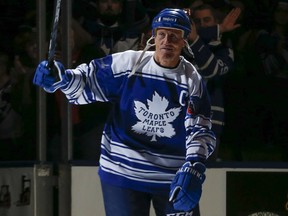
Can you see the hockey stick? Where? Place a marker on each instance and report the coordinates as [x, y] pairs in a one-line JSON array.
[[53, 37]]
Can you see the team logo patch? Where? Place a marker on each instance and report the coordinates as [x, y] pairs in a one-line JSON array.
[[191, 108], [155, 119]]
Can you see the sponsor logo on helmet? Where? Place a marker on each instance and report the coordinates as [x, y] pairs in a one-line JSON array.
[[169, 19]]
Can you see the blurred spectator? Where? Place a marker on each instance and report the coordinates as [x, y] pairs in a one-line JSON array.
[[25, 59], [273, 43], [25, 50], [213, 58], [272, 46], [11, 122], [257, 101], [153, 7], [117, 26], [13, 13]]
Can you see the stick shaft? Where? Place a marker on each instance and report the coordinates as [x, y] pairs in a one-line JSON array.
[[53, 37]]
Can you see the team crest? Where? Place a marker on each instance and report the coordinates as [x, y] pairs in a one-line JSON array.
[[155, 119]]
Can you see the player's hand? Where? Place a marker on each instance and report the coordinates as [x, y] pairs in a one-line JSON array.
[[186, 188], [46, 78]]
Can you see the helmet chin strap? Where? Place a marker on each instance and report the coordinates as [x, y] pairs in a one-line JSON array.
[[148, 46]]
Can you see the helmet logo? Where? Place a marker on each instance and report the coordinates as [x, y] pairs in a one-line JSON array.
[[172, 18], [169, 19], [166, 19]]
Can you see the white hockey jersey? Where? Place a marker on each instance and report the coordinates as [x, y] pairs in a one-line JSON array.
[[160, 117]]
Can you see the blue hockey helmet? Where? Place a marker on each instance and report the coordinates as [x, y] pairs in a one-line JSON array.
[[172, 18]]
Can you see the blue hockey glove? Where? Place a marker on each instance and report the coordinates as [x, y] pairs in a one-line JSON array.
[[45, 77], [186, 188]]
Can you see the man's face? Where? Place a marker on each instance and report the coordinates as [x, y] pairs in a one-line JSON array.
[[169, 44], [204, 18], [110, 7]]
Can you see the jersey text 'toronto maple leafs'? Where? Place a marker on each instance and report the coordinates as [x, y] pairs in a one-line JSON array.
[[154, 118]]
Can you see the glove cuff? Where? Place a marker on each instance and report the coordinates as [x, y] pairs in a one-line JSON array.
[[199, 166], [196, 169]]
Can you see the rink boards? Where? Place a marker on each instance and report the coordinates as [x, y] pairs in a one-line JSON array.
[[34, 190]]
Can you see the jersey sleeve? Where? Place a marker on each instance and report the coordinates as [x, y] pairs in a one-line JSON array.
[[200, 139], [100, 80]]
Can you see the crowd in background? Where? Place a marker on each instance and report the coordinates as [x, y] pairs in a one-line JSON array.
[[254, 91]]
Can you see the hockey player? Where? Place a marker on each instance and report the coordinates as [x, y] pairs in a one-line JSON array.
[[158, 137]]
